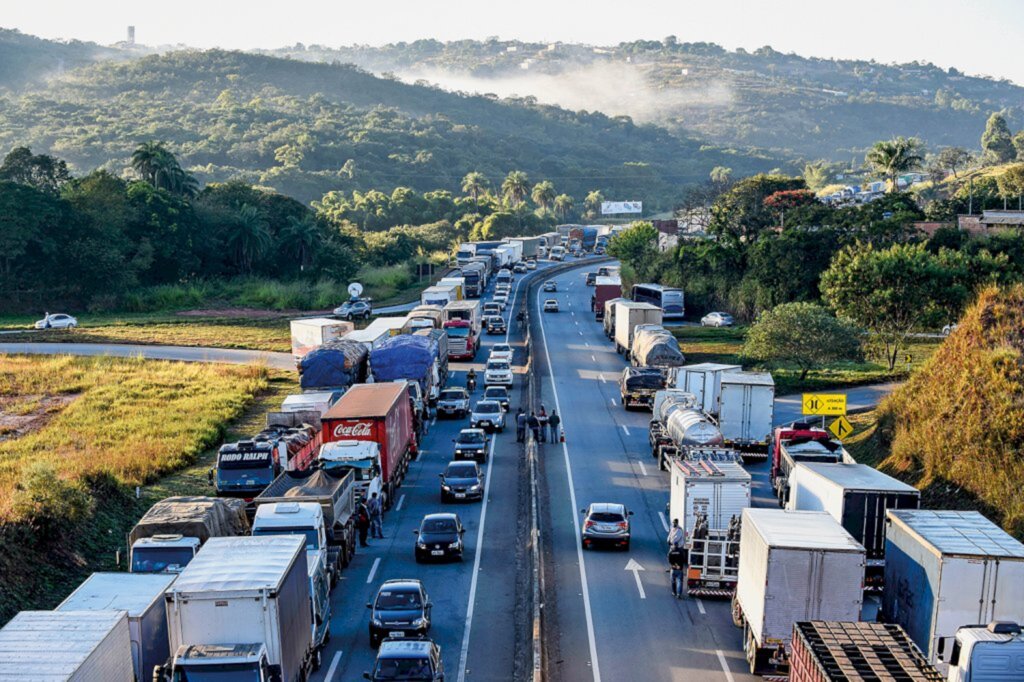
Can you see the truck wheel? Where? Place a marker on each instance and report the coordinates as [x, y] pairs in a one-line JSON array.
[[315, 660], [344, 555], [737, 612]]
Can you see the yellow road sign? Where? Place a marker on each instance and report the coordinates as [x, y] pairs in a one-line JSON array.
[[841, 427], [826, 404]]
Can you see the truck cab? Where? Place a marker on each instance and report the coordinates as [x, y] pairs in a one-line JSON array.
[[984, 653], [463, 339], [800, 442], [162, 553], [294, 518], [215, 662], [319, 598], [245, 468], [358, 456]]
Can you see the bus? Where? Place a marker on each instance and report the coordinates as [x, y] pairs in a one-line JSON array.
[[669, 299]]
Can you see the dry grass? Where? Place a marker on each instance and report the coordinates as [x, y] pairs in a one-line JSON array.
[[262, 335]]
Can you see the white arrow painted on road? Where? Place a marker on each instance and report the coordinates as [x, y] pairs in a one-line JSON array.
[[636, 568]]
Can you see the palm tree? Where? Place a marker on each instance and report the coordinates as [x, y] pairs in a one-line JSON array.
[[895, 156], [543, 195], [250, 238], [515, 188], [475, 184], [300, 238], [150, 159], [563, 205], [593, 202]]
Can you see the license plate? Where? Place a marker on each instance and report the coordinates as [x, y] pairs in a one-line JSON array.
[[397, 633], [460, 495], [437, 552], [713, 583]]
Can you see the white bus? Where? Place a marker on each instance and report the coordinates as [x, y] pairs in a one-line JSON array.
[[669, 299]]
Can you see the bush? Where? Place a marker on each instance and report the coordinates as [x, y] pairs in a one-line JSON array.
[[48, 503], [804, 334]]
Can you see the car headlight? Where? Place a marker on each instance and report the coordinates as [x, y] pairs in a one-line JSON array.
[[453, 545], [421, 544], [446, 487], [419, 623], [376, 622], [458, 451], [474, 488]]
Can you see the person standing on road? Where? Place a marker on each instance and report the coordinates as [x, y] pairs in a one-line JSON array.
[[676, 538], [554, 421], [677, 571], [534, 425], [376, 510], [362, 523], [520, 426], [542, 419]]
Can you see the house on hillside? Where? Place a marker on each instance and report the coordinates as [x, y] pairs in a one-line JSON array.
[[990, 221]]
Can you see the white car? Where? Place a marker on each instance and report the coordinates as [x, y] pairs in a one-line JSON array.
[[488, 415], [57, 321], [949, 329], [551, 306], [503, 288], [501, 351], [531, 265], [501, 298], [717, 320], [498, 373], [550, 285]]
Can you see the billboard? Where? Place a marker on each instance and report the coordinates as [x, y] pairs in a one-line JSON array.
[[611, 207]]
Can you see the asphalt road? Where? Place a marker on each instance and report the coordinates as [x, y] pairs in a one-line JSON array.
[[183, 353]]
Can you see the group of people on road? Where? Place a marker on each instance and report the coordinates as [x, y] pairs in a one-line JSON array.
[[540, 425], [370, 519]]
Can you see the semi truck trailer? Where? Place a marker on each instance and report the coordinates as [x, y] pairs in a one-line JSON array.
[[66, 646]]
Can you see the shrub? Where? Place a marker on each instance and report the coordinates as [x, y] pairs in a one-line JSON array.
[[48, 503]]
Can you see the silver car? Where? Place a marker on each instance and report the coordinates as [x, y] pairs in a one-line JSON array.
[[717, 320], [453, 402], [605, 523], [57, 321], [488, 415]]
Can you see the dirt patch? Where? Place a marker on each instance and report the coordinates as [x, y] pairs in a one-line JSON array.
[[248, 313], [30, 413]]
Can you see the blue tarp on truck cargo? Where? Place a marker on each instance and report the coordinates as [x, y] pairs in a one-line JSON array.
[[336, 364], [404, 357]]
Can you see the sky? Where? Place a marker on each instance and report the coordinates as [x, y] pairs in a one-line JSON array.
[[980, 37]]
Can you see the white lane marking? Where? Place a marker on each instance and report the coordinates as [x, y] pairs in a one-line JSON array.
[[587, 344], [373, 570], [613, 400], [601, 376], [635, 566], [643, 469], [581, 333], [700, 607], [401, 501], [725, 666], [591, 639], [664, 521], [625, 429], [433, 421], [476, 565], [334, 666]]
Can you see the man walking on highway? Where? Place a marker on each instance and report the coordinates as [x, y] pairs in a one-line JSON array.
[[554, 421], [376, 510], [362, 523], [520, 426], [534, 425], [542, 421], [676, 539], [677, 570]]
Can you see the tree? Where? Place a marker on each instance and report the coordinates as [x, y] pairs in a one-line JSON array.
[[952, 159], [1011, 184], [300, 237], [996, 141], [739, 214], [564, 205], [45, 173], [635, 245], [890, 292], [721, 176], [475, 184], [593, 203], [892, 157], [544, 195], [249, 239], [515, 188], [803, 334], [1018, 144], [817, 174], [156, 165]]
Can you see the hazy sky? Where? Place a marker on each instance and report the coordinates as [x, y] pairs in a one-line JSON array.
[[977, 36]]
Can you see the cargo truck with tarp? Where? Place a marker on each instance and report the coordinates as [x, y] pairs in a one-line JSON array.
[[637, 386], [407, 357], [655, 346], [170, 534], [335, 365]]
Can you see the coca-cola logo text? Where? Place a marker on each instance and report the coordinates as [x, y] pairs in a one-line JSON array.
[[356, 430]]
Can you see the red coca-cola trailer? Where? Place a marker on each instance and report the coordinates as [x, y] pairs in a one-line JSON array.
[[381, 413]]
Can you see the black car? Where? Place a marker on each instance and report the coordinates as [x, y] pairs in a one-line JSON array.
[[462, 481], [471, 444], [496, 325], [591, 279], [439, 537], [401, 608], [499, 393]]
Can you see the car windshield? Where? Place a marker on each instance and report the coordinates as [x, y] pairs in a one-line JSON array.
[[501, 348], [403, 669], [458, 332], [488, 408], [453, 395], [438, 526], [461, 470], [501, 366], [471, 437], [398, 600], [606, 517], [496, 392]]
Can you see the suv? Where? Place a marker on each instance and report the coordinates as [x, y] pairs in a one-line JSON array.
[[462, 481], [439, 537], [606, 522], [471, 444], [498, 393], [496, 324], [488, 415], [498, 373], [416, 658], [401, 608], [550, 285], [492, 309], [501, 351], [453, 402], [356, 307]]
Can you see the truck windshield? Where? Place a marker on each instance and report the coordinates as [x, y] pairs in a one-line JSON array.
[[457, 332], [363, 468], [225, 672], [403, 669], [158, 559], [311, 535], [258, 476]]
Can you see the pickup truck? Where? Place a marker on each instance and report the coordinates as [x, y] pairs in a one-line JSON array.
[[453, 402]]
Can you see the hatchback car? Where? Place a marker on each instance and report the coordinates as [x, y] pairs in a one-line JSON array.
[[57, 321], [550, 285], [488, 415], [716, 320], [498, 373], [471, 444], [551, 306], [462, 481], [501, 351], [415, 658], [496, 324], [531, 265], [519, 268], [605, 523], [453, 402], [499, 393], [401, 608], [439, 537], [591, 279], [355, 308]]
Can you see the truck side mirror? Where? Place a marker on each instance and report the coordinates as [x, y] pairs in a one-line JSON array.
[[415, 532]]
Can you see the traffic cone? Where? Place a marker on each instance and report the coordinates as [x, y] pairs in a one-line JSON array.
[[562, 434]]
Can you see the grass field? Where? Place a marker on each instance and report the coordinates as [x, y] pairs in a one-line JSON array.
[[264, 335]]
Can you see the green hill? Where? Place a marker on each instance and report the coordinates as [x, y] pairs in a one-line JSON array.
[[26, 59]]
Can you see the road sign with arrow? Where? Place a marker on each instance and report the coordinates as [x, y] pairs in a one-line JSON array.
[[841, 427], [825, 404]]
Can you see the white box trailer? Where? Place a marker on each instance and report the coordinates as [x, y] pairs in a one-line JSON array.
[[946, 569], [437, 295], [704, 380], [794, 566], [318, 402], [371, 338], [628, 314], [141, 596], [517, 248], [66, 646], [457, 283], [746, 408], [311, 333], [718, 490], [390, 325]]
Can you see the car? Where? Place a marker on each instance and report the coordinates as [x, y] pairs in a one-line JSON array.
[[355, 308], [453, 402], [503, 288], [551, 306], [497, 373], [499, 393], [550, 285], [488, 415], [501, 351], [717, 320], [471, 444], [414, 658], [531, 265], [946, 331], [605, 523], [401, 608], [495, 324], [501, 298], [599, 251], [56, 321], [439, 537], [519, 268], [591, 279], [491, 309], [462, 481]]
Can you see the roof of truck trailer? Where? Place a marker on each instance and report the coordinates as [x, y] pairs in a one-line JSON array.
[[857, 477], [66, 638], [367, 400], [782, 528], [959, 532], [240, 564], [748, 378], [131, 592]]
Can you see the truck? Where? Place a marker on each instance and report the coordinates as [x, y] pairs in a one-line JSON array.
[[678, 427], [504, 256], [746, 408], [411, 358], [608, 318], [530, 247], [704, 381], [362, 458], [462, 323], [141, 596], [857, 496], [945, 569], [457, 283], [71, 646], [440, 337], [438, 295], [475, 277], [246, 467], [655, 346], [794, 566], [241, 610], [585, 236], [319, 599], [170, 533], [984, 653], [834, 651], [370, 338], [424, 317], [311, 333], [628, 314], [309, 401], [504, 276], [465, 253], [605, 289], [800, 442], [380, 413], [334, 366], [637, 386]]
